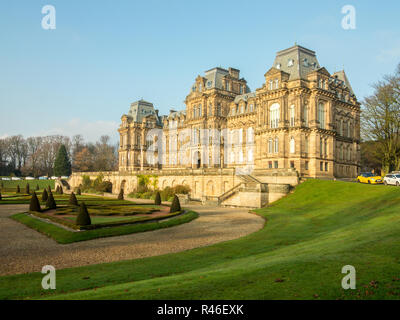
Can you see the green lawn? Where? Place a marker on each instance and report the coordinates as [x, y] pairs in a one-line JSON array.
[[307, 239], [32, 184]]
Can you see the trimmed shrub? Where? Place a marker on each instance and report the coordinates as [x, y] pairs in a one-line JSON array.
[[37, 187], [72, 199], [18, 189], [121, 194], [45, 195], [78, 191], [49, 189], [181, 189], [175, 206], [51, 203], [34, 204], [27, 189], [157, 200], [0, 196], [61, 191], [83, 218]]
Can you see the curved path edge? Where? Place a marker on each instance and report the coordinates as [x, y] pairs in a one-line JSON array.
[[24, 250]]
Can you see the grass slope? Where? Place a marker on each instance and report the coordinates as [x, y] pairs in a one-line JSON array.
[[308, 237]]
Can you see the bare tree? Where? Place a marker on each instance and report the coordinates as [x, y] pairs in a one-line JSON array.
[[381, 120]]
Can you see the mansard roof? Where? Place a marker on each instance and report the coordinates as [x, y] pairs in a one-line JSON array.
[[296, 61]]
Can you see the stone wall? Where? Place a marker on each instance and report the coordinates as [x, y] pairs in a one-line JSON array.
[[206, 184]]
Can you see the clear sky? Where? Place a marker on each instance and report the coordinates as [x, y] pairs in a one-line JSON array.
[[103, 55]]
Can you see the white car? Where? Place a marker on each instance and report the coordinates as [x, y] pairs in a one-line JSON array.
[[15, 178], [64, 177], [392, 178], [29, 178]]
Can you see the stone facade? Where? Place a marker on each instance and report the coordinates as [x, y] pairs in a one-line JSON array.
[[235, 147], [302, 118]]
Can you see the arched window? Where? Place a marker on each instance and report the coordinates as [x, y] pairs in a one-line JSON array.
[[274, 111], [292, 145], [321, 115], [291, 115], [276, 145]]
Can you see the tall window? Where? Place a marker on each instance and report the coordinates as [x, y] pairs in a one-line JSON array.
[[271, 83], [306, 144], [348, 129], [251, 107], [276, 83], [292, 145], [270, 150], [200, 110], [227, 86], [276, 145], [274, 115], [321, 147], [291, 115], [325, 147], [305, 115], [321, 115], [341, 127], [210, 109]]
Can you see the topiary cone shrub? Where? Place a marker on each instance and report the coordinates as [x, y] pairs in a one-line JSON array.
[[45, 195], [61, 190], [27, 189], [18, 189], [72, 199], [58, 189], [78, 192], [51, 203], [157, 199], [121, 194], [0, 196], [34, 204], [175, 206], [37, 187], [49, 188], [83, 218]]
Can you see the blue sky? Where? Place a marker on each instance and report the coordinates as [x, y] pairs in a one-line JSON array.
[[103, 55]]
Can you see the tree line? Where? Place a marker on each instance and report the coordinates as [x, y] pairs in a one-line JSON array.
[[380, 125], [36, 156]]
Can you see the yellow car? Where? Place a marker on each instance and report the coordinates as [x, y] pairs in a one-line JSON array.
[[370, 178]]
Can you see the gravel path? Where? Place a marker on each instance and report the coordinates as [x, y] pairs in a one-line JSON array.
[[24, 250]]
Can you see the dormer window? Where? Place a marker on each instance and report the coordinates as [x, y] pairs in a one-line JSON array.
[[270, 84], [227, 86], [278, 65], [209, 84], [290, 63], [193, 88], [241, 89]]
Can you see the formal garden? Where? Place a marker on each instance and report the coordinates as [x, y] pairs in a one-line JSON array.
[[75, 217]]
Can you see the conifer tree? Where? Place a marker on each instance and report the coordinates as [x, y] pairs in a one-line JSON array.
[[34, 204], [62, 164], [37, 187], [72, 199], [175, 206], [83, 218], [78, 191], [121, 194], [157, 200], [18, 189], [45, 195], [27, 191], [51, 203]]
